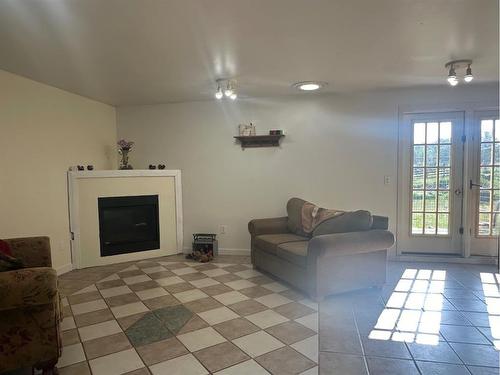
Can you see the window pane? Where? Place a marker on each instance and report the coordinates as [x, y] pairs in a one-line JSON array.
[[497, 152], [418, 201], [442, 224], [443, 201], [496, 200], [484, 224], [496, 178], [418, 178], [485, 177], [444, 155], [485, 200], [445, 132], [486, 153], [418, 133], [430, 201], [418, 156], [432, 156], [486, 130], [444, 178], [431, 178], [497, 130], [430, 224], [432, 132], [417, 223], [495, 230]]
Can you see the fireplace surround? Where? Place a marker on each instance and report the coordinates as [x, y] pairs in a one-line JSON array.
[[141, 219]]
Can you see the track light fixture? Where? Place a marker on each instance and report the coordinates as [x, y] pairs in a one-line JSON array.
[[229, 90], [459, 64]]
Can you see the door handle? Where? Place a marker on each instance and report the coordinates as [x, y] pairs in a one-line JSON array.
[[471, 185]]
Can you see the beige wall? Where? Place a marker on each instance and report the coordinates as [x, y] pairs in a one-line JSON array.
[[336, 152], [43, 131]]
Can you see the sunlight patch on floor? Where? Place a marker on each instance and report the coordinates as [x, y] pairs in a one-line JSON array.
[[413, 311], [491, 292]]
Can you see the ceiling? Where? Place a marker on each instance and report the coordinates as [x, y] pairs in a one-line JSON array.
[[126, 52]]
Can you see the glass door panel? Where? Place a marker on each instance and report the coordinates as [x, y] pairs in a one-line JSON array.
[[484, 183], [430, 185]]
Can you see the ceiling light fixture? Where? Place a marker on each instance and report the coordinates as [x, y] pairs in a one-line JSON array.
[[459, 64], [229, 91], [309, 85], [468, 74], [218, 93]]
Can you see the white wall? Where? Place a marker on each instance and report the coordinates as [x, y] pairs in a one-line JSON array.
[[43, 131], [336, 152]]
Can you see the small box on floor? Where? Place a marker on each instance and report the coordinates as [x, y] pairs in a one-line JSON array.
[[205, 247]]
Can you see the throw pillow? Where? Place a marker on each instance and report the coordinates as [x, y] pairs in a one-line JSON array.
[[5, 248]]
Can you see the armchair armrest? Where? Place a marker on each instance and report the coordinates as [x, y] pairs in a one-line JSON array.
[[32, 251], [268, 226], [350, 243], [27, 287]]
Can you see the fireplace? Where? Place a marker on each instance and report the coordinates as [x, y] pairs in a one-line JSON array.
[[128, 224]]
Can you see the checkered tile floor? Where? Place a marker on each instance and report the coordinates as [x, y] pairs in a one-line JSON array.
[[182, 317]]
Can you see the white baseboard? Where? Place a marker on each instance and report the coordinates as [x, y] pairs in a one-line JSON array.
[[63, 269], [443, 259], [245, 252]]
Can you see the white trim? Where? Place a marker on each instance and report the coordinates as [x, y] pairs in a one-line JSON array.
[[234, 252], [443, 259], [73, 176], [225, 251], [469, 108], [63, 269]]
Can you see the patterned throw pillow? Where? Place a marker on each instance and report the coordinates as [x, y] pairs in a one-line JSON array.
[[5, 248], [9, 263]]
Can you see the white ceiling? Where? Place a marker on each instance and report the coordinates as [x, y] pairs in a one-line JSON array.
[[126, 52]]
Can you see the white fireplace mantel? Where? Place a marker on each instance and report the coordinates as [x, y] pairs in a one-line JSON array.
[[116, 183]]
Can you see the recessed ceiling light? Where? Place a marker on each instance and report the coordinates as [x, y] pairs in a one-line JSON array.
[[309, 85]]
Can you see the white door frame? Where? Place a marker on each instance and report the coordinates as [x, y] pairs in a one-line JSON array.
[[469, 109]]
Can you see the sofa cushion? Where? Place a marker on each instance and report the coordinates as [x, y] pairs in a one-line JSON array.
[[270, 242], [355, 221], [294, 252], [294, 210]]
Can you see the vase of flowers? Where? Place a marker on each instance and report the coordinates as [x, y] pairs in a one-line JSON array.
[[124, 148]]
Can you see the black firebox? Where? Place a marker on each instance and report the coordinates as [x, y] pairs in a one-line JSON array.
[[128, 224]]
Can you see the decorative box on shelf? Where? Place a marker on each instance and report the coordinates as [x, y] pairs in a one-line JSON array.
[[270, 140]]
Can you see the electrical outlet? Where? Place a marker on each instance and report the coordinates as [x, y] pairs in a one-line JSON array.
[[223, 229], [387, 180]]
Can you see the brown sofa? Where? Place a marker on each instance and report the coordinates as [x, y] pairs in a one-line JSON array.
[[30, 309], [342, 254]]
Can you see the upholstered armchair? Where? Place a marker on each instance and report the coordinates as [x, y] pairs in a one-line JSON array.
[[30, 311]]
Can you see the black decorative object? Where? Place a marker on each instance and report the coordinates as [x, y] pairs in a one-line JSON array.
[[161, 166], [90, 167], [80, 167], [151, 166], [275, 132]]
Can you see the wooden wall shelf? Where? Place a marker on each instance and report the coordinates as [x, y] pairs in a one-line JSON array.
[[248, 141]]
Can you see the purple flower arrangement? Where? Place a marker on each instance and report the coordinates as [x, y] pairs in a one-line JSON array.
[[125, 145]]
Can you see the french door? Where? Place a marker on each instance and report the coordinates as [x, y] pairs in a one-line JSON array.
[[484, 184], [430, 199]]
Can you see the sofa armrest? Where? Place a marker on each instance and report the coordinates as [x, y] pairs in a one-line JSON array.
[[350, 243], [32, 251], [27, 287], [268, 226]]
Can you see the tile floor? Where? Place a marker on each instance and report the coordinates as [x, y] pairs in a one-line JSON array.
[[172, 316]]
